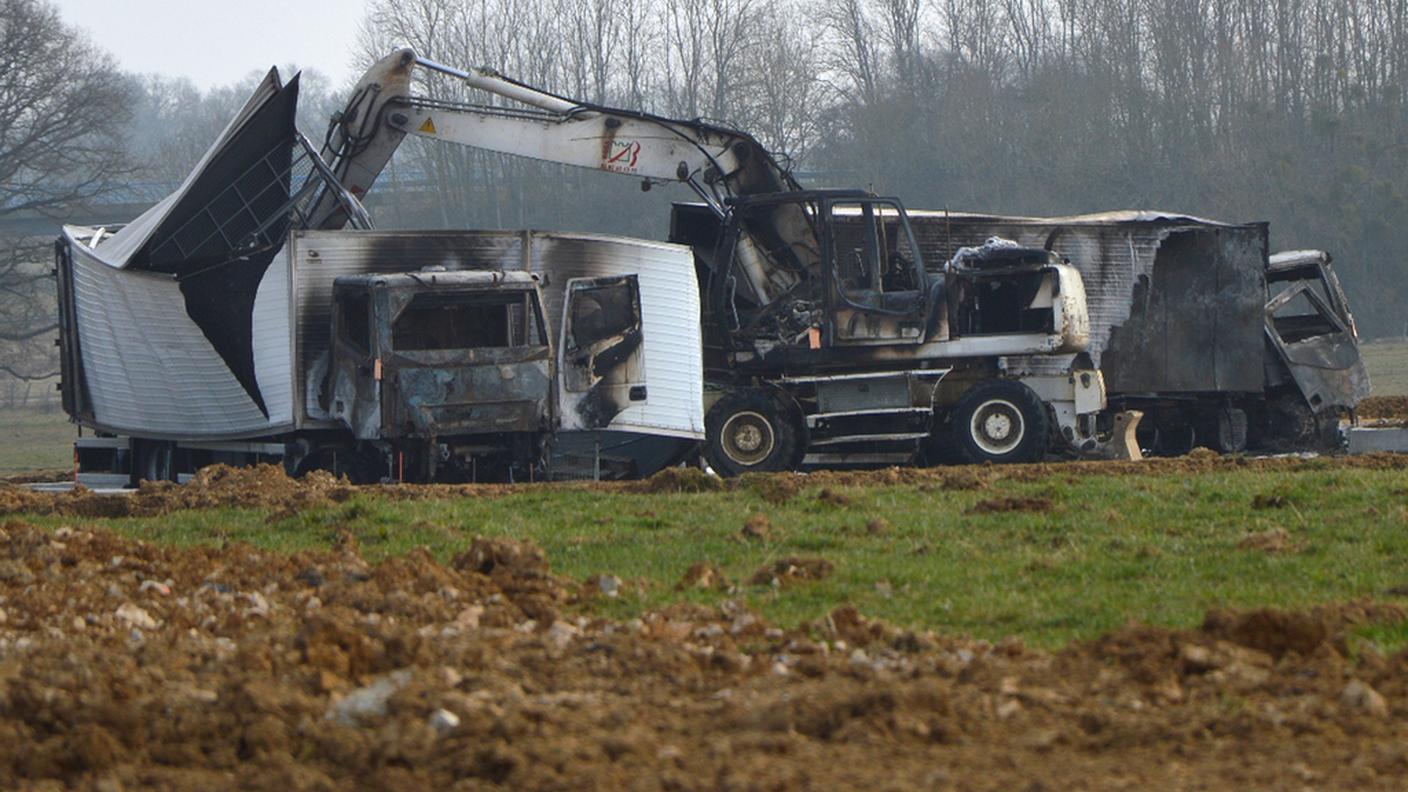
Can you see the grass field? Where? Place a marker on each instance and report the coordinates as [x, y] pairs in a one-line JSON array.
[[1079, 556], [1388, 367], [35, 440]]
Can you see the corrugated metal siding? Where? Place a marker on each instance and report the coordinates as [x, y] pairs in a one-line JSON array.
[[669, 297], [150, 370]]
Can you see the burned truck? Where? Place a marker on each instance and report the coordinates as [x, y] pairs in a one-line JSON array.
[[822, 345], [1194, 324], [220, 327]]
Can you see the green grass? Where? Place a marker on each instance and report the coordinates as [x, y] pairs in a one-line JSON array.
[[33, 439], [1387, 362], [1157, 549]]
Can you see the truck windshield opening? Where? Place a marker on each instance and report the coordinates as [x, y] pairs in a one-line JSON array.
[[466, 321]]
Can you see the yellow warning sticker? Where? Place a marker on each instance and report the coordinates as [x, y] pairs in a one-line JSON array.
[[428, 128]]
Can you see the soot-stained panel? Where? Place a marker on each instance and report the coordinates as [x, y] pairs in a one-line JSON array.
[[243, 186]]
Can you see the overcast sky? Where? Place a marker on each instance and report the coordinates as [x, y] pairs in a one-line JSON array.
[[216, 43]]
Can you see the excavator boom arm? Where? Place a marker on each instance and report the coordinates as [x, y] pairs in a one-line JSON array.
[[716, 162]]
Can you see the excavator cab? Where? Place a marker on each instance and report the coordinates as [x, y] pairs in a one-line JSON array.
[[862, 283], [876, 284]]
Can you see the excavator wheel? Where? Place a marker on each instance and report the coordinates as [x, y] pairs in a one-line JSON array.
[[999, 421], [750, 431]]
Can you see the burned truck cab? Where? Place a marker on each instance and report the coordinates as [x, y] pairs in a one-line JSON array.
[[1315, 374], [452, 372]]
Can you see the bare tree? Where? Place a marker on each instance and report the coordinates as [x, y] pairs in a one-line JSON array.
[[63, 109], [851, 53], [781, 84]]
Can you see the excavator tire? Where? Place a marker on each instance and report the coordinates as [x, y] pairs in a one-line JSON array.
[[750, 431], [999, 421]]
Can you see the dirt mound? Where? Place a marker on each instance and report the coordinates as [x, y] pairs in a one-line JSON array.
[[1013, 504], [703, 575], [268, 488], [677, 479], [787, 571], [833, 498], [1277, 632], [1384, 408], [757, 528], [215, 486], [128, 665], [520, 570], [1275, 540], [260, 486]]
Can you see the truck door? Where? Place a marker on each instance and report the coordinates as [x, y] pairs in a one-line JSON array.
[[877, 281], [601, 351], [1309, 326], [354, 390]]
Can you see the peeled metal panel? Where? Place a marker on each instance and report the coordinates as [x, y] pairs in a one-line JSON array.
[[151, 372], [201, 234], [126, 243]]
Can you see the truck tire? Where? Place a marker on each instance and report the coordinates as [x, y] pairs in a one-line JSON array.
[[750, 431], [1227, 428], [152, 461], [999, 421]]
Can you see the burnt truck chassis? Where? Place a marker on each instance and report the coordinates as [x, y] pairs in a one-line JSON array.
[[1193, 324]]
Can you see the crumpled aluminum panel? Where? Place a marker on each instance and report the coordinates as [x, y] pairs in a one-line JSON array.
[[150, 371]]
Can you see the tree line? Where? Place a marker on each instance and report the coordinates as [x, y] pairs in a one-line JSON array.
[[1289, 111]]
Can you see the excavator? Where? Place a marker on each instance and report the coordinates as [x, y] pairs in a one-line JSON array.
[[826, 343]]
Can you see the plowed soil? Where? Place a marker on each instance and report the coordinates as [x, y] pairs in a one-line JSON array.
[[1384, 408], [266, 486], [126, 665]]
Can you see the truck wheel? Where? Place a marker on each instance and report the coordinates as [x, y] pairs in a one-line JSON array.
[[999, 421], [750, 431], [152, 461]]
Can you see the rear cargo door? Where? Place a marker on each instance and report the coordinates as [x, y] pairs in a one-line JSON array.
[[601, 351]]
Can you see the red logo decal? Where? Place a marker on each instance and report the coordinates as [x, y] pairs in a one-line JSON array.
[[621, 156]]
